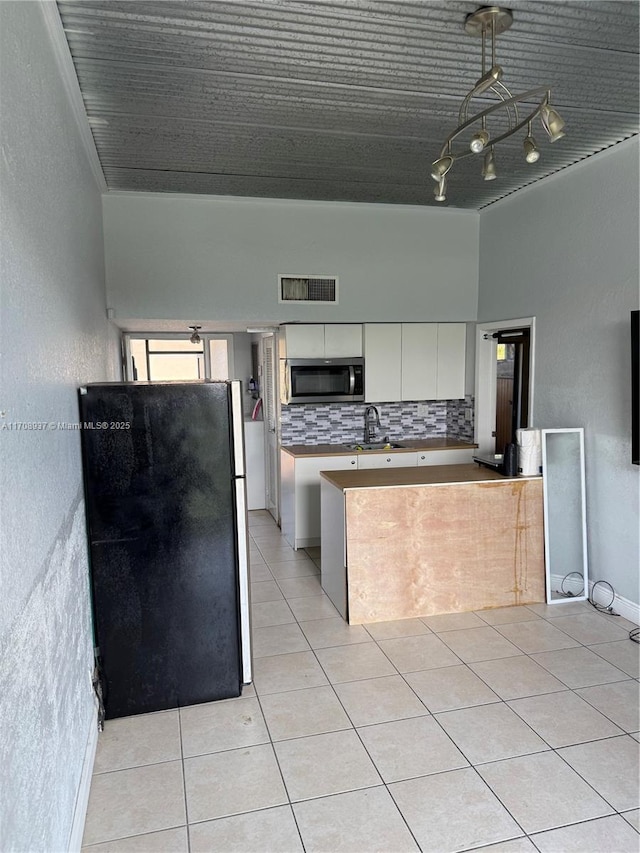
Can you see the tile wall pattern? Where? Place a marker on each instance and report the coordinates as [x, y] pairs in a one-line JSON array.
[[342, 423]]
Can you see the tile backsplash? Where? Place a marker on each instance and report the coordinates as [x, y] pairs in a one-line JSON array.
[[343, 423]]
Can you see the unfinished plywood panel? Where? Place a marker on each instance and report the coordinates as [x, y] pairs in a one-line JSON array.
[[419, 551]]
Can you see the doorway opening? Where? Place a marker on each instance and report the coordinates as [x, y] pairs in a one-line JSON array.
[[504, 382], [512, 384]]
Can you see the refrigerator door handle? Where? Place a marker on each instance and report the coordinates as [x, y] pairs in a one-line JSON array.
[[243, 578], [237, 426]]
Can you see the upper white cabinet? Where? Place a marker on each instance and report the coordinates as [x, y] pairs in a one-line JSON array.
[[343, 340], [414, 361], [419, 361], [382, 362], [452, 338], [316, 340]]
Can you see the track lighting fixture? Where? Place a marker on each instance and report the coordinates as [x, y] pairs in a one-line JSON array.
[[489, 22], [195, 337]]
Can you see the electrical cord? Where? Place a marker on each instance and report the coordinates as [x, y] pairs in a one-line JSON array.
[[634, 633], [567, 592], [603, 608]]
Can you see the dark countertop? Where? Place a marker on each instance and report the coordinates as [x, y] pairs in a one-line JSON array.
[[426, 475], [410, 444]]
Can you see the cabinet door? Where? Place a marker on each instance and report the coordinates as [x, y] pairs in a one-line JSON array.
[[452, 339], [387, 460], [343, 340], [383, 362], [304, 341], [445, 457], [419, 361], [307, 495]]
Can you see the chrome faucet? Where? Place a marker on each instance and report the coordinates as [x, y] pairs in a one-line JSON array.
[[371, 423]]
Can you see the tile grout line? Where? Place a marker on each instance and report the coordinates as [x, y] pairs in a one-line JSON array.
[[184, 782]]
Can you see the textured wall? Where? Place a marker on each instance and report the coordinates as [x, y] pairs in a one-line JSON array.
[[218, 259], [566, 252], [54, 337]]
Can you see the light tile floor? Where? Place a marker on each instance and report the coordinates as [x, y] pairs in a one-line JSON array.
[[512, 730]]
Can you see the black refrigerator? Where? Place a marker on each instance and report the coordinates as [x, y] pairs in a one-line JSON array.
[[165, 492]]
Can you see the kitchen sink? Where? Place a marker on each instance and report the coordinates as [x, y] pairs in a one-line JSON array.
[[379, 445]]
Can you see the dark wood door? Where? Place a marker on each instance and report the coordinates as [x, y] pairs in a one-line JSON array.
[[504, 412]]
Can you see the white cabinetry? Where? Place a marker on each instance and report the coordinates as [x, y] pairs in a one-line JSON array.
[[414, 361], [254, 454], [444, 457], [382, 362], [388, 460], [339, 340], [300, 495]]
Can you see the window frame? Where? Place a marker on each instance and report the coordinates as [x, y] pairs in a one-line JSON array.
[[206, 337]]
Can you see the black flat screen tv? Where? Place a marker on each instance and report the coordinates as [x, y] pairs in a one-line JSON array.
[[635, 387]]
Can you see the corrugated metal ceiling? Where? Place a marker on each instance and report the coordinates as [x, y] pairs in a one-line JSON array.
[[348, 101]]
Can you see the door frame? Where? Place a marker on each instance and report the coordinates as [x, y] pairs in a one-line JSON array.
[[485, 383], [271, 435]]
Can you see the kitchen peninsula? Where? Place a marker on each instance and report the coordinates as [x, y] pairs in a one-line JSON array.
[[407, 542]]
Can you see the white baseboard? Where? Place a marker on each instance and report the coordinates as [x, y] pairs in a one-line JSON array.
[[622, 606], [82, 798]]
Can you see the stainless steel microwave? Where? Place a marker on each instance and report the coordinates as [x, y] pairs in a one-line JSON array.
[[323, 380]]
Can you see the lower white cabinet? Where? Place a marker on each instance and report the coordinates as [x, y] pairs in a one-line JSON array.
[[300, 484], [388, 460], [300, 495], [444, 457]]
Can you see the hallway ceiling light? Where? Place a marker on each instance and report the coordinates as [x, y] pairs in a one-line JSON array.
[[488, 22], [195, 337]]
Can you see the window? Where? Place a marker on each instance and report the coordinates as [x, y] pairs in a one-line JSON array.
[[171, 357]]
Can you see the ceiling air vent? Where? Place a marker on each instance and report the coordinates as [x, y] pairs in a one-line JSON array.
[[320, 289]]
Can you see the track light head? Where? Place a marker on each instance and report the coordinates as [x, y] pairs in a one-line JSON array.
[[439, 168], [552, 122], [531, 153], [489, 168], [440, 192], [479, 141]]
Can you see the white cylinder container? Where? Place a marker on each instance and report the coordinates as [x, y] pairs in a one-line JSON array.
[[529, 452]]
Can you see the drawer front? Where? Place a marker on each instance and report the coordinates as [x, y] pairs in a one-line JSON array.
[[445, 457], [387, 460]]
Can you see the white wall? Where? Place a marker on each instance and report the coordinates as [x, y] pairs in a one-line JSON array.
[[566, 251], [54, 337], [217, 259]]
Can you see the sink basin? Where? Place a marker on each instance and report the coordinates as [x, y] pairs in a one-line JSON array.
[[380, 445]]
